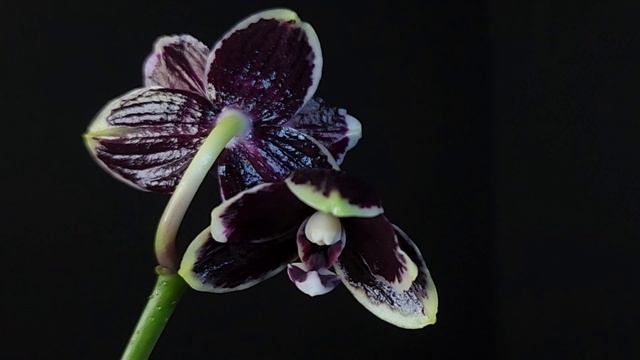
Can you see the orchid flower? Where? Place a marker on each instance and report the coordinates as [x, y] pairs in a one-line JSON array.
[[340, 226], [247, 104]]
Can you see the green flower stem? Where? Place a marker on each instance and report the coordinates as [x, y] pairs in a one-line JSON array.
[[162, 301], [170, 286], [230, 123]]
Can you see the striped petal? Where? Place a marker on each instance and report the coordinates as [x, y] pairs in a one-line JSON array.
[[177, 62], [262, 213], [211, 266], [268, 65], [147, 137], [365, 270], [334, 192], [338, 131], [269, 154]]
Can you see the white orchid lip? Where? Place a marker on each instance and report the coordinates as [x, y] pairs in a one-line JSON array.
[[312, 282], [323, 229]]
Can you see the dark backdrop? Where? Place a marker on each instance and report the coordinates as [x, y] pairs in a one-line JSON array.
[[502, 137]]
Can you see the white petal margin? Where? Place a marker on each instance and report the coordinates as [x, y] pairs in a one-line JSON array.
[[410, 273], [281, 15], [190, 258], [415, 312], [312, 284], [100, 127], [324, 150], [217, 226], [431, 302], [354, 133], [334, 203]]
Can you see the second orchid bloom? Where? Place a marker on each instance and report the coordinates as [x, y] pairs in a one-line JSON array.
[[335, 226]]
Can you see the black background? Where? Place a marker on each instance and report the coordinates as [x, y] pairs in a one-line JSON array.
[[502, 136]]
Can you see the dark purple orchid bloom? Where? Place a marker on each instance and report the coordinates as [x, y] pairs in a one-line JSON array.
[[266, 69], [335, 226]]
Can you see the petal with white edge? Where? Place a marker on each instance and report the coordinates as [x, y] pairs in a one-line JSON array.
[[375, 242], [333, 127], [147, 137], [177, 62], [261, 213], [412, 308], [269, 64], [268, 154], [215, 267], [334, 192]]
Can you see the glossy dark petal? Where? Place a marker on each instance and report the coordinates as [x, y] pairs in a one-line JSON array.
[[412, 307], [177, 62], [374, 240], [268, 65], [264, 212], [317, 256], [332, 127], [147, 137], [334, 192], [312, 282], [268, 154], [212, 266]]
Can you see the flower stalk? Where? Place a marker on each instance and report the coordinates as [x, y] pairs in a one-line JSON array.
[[230, 123], [169, 285], [162, 301]]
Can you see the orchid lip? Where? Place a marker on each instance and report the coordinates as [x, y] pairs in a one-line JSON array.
[[312, 282]]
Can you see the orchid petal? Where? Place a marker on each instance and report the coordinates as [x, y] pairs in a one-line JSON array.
[[334, 192], [262, 213], [269, 65], [338, 131], [312, 282], [147, 137], [177, 62], [269, 154], [211, 266], [374, 240], [358, 267]]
